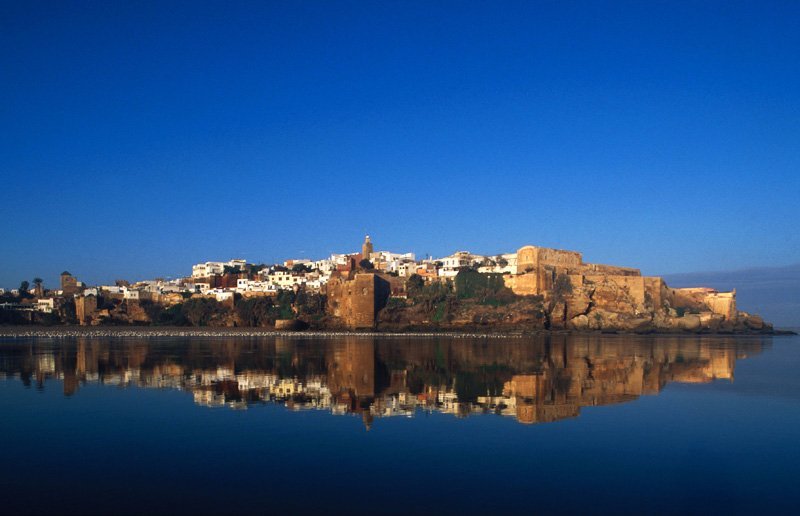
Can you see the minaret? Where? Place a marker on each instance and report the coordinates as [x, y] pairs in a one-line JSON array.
[[366, 248]]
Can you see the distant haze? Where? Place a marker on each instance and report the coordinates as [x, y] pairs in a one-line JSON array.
[[772, 292]]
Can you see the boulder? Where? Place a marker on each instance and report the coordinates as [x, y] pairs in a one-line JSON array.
[[578, 303], [690, 322], [290, 325], [580, 322], [754, 322]]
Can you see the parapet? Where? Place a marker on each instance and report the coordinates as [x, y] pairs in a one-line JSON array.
[[531, 258]]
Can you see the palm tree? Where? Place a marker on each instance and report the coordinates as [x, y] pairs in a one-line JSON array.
[[37, 285]]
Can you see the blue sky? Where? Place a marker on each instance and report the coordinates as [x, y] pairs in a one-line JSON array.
[[139, 138]]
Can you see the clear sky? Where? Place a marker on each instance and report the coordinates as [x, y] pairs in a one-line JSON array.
[[139, 138]]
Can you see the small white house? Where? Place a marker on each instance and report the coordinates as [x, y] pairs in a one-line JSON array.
[[133, 295], [45, 305]]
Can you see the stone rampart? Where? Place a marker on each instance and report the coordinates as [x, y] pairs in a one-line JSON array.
[[357, 300]]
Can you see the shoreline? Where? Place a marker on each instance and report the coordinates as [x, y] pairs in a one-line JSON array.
[[22, 332]]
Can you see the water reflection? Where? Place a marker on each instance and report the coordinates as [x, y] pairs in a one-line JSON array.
[[533, 380]]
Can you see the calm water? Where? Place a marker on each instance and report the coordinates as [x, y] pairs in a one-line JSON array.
[[576, 424]]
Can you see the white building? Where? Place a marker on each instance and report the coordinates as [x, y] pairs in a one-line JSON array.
[[45, 305], [316, 284], [324, 266], [340, 259], [219, 294], [223, 296], [245, 285], [405, 270], [500, 264], [298, 261], [132, 294], [203, 270], [200, 287], [453, 263], [286, 279], [387, 256]]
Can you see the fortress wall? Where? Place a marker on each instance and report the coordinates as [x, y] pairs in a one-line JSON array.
[[357, 301], [557, 257], [362, 300], [688, 297], [527, 259], [617, 289], [656, 288], [531, 258], [85, 307], [522, 284], [634, 286], [599, 268], [722, 303]]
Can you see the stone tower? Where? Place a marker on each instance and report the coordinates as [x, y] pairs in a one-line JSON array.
[[366, 248], [69, 284]]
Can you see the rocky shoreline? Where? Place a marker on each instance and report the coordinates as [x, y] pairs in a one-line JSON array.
[[17, 332]]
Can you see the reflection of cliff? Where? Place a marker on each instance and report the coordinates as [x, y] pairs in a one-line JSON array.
[[534, 380]]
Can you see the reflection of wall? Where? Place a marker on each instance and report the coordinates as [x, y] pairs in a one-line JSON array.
[[351, 367], [534, 380]]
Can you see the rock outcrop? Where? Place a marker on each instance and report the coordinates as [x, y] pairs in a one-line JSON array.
[[585, 296]]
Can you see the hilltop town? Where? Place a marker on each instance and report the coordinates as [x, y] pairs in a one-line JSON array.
[[532, 289]]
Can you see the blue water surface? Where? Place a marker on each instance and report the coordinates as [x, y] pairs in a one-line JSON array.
[[81, 437]]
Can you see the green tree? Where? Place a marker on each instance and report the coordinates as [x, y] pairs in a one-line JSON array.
[[486, 288], [231, 270], [172, 316], [436, 299], [258, 311], [414, 284], [69, 311], [153, 310], [300, 267], [285, 300], [201, 311], [37, 284], [366, 264]]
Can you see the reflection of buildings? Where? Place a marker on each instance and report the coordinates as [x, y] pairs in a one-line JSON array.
[[534, 380]]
